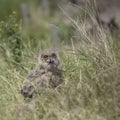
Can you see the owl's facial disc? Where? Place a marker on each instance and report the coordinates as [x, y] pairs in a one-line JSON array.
[[50, 61]]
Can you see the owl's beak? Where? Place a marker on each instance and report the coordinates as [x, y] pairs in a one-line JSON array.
[[51, 61]]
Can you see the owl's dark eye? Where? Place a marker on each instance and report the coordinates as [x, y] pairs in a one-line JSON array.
[[54, 55], [45, 57]]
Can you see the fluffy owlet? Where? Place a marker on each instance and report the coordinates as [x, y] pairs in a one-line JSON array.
[[47, 73]]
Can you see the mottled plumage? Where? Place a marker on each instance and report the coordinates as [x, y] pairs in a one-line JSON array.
[[47, 73]]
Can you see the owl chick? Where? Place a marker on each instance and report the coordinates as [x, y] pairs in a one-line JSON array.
[[47, 73]]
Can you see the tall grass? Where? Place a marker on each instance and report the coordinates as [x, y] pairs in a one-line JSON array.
[[90, 90]]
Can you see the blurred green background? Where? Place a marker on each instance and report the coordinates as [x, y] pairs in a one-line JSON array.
[[89, 52]]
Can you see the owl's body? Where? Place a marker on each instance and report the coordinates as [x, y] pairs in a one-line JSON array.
[[46, 74]]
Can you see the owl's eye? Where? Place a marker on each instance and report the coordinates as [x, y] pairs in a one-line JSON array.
[[54, 55], [45, 57]]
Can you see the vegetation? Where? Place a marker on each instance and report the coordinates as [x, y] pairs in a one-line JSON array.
[[90, 63]]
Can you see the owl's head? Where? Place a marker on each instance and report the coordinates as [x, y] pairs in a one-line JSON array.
[[49, 59]]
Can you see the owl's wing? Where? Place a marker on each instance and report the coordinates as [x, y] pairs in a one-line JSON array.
[[31, 75], [35, 73]]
